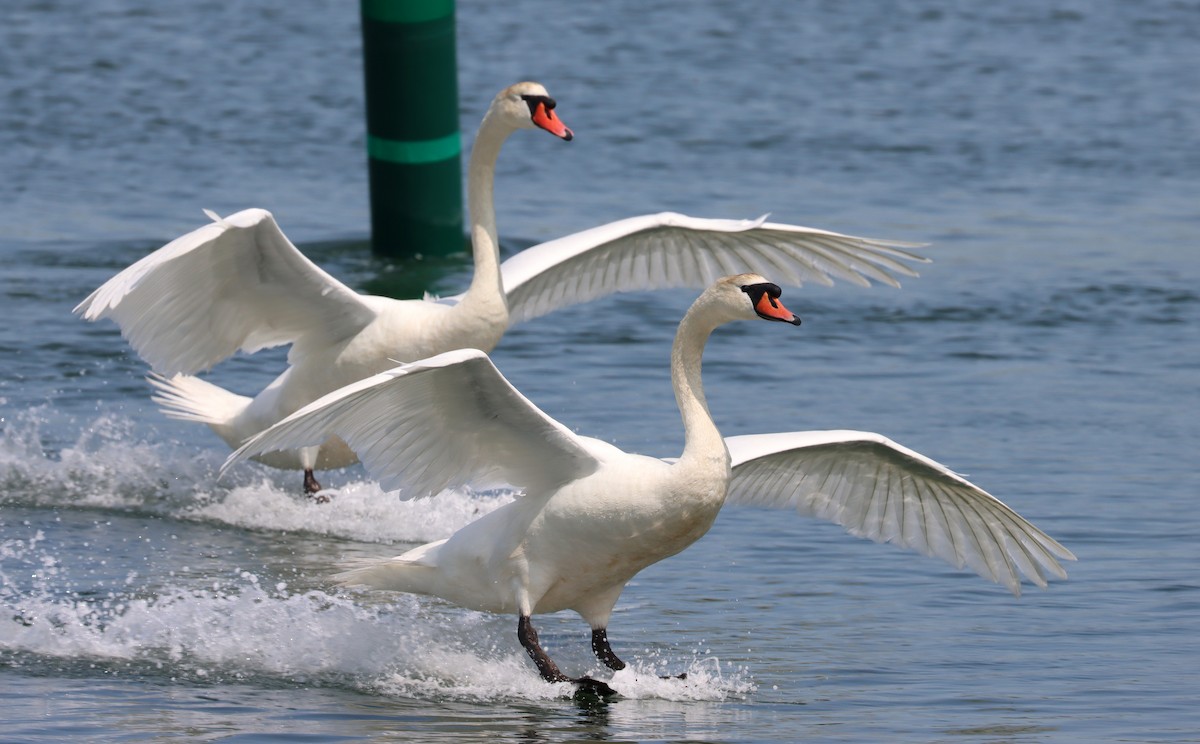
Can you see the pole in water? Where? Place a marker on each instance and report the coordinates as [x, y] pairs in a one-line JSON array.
[[414, 149]]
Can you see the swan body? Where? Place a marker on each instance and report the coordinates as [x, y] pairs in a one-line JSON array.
[[591, 516], [238, 284], [545, 559]]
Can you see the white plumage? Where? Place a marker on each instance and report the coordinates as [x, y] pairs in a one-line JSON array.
[[883, 491], [667, 249], [591, 516], [238, 284]]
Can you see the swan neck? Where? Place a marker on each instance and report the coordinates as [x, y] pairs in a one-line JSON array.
[[702, 440], [485, 243]]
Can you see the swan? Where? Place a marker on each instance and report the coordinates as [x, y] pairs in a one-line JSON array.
[[591, 516], [238, 283]]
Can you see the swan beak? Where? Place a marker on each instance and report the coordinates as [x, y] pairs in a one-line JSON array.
[[771, 308], [546, 119]]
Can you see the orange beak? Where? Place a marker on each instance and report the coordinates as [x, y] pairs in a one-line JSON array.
[[546, 119], [772, 309]]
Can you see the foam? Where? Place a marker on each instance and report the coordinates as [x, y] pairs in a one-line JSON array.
[[240, 626], [112, 466], [359, 511], [244, 629]]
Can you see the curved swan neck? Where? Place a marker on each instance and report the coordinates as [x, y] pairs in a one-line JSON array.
[[702, 440], [486, 285]]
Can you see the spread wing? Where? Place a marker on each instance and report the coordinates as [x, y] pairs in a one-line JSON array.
[[447, 421], [236, 283], [673, 250], [883, 491]]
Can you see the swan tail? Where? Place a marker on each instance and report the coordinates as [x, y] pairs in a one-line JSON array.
[[415, 572], [188, 398]]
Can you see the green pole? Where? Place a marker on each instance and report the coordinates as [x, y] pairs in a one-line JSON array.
[[414, 150]]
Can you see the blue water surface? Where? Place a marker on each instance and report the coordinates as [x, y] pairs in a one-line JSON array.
[[1047, 151]]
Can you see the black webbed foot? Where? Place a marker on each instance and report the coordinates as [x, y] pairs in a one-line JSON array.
[[587, 688]]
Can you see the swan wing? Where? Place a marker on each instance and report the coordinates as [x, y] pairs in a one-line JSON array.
[[673, 250], [235, 283], [447, 421], [881, 490]]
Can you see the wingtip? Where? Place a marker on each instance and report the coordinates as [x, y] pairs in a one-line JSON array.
[[1063, 555], [233, 458], [83, 309], [93, 307]]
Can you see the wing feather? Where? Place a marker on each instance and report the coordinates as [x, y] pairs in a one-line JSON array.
[[448, 421], [674, 250], [235, 284], [882, 491]]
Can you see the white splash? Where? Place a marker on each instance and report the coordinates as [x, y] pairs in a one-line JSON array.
[[111, 466], [405, 647], [358, 511], [107, 466], [240, 626]]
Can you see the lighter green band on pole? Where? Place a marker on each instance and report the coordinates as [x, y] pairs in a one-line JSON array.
[[407, 11], [408, 153]]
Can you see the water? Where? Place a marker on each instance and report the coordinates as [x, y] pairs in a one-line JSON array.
[[1047, 151]]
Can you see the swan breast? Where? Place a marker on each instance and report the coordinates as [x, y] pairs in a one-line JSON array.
[[599, 532]]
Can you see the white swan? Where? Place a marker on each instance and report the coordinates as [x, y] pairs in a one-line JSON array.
[[239, 284], [593, 516]]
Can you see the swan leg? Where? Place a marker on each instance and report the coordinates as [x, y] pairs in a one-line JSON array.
[[311, 487], [545, 665], [308, 461], [604, 651]]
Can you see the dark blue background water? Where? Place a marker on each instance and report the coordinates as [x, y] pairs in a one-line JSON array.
[[1049, 153]]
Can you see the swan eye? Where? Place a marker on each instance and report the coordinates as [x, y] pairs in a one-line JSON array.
[[532, 101], [756, 292]]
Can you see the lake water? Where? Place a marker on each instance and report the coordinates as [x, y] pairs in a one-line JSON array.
[[1047, 151]]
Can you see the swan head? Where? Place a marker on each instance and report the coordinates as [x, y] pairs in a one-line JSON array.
[[750, 296], [526, 106]]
